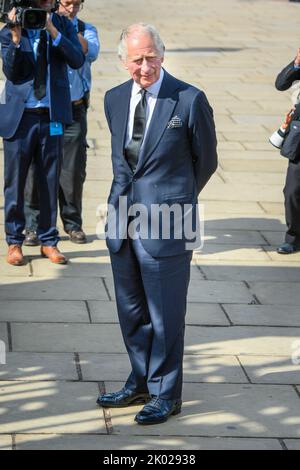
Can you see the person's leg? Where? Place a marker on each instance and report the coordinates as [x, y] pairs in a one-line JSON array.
[[133, 315], [18, 153], [48, 167], [292, 204], [32, 200], [165, 281], [73, 171]]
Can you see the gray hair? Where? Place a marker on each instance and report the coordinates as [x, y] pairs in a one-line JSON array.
[[142, 28]]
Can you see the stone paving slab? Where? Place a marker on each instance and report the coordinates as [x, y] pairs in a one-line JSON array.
[[279, 293], [238, 340], [140, 442], [197, 313], [49, 289], [292, 444], [38, 367], [5, 442], [224, 410], [197, 368], [46, 337], [218, 292], [50, 407], [208, 291], [46, 311], [205, 314], [275, 370], [247, 177], [218, 252], [272, 253], [246, 192], [271, 315], [8, 270], [249, 271], [273, 238], [267, 222], [103, 311], [272, 208], [232, 207], [79, 266], [232, 237]]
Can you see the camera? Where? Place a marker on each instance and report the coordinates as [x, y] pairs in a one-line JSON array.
[[28, 15]]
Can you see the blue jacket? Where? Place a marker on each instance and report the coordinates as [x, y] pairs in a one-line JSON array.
[[174, 164], [19, 68]]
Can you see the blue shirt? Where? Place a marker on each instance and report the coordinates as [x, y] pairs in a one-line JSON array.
[[81, 80], [34, 38]]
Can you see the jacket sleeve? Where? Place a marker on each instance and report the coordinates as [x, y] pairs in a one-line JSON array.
[[17, 66], [286, 77], [69, 46], [203, 140]]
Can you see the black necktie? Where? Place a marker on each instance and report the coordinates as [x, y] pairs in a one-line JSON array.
[[40, 79], [139, 125]]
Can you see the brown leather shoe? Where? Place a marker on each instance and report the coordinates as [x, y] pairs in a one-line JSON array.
[[15, 255], [53, 254]]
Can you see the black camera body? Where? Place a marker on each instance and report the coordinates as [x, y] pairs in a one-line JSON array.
[[28, 15]]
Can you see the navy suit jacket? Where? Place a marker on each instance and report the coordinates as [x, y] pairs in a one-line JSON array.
[[19, 68], [174, 163]]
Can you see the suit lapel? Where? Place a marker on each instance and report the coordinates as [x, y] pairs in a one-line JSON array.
[[165, 104], [121, 123]]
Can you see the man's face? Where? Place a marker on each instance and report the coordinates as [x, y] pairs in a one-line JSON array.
[[46, 4], [69, 8], [142, 61]]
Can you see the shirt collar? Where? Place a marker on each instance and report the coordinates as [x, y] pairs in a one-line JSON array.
[[152, 89]]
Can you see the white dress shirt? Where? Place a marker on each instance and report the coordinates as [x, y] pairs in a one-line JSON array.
[[151, 97]]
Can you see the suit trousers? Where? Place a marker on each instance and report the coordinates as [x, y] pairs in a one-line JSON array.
[[292, 203], [32, 142], [72, 176], [151, 300]]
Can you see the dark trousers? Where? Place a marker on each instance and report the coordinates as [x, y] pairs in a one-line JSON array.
[[292, 203], [72, 177], [32, 143], [151, 300]]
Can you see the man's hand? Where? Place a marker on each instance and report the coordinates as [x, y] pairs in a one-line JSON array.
[[50, 27], [83, 42], [16, 30], [297, 59]]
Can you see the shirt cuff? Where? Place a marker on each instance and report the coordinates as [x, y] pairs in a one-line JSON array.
[[56, 41]]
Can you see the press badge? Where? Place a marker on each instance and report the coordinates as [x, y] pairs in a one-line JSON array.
[[56, 128]]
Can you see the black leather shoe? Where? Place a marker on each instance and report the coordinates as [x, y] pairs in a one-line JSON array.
[[158, 411], [77, 236], [31, 238], [287, 249], [122, 398]]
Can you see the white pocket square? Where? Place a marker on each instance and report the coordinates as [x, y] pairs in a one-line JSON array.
[[175, 122]]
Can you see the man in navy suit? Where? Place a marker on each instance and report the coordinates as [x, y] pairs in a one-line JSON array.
[[163, 154], [35, 105]]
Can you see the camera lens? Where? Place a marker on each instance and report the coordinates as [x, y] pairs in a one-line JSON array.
[[31, 18]]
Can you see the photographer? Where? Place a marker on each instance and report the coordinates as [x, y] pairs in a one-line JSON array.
[[37, 106], [73, 169], [291, 190]]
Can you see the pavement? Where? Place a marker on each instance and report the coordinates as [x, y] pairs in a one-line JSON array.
[[242, 353]]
